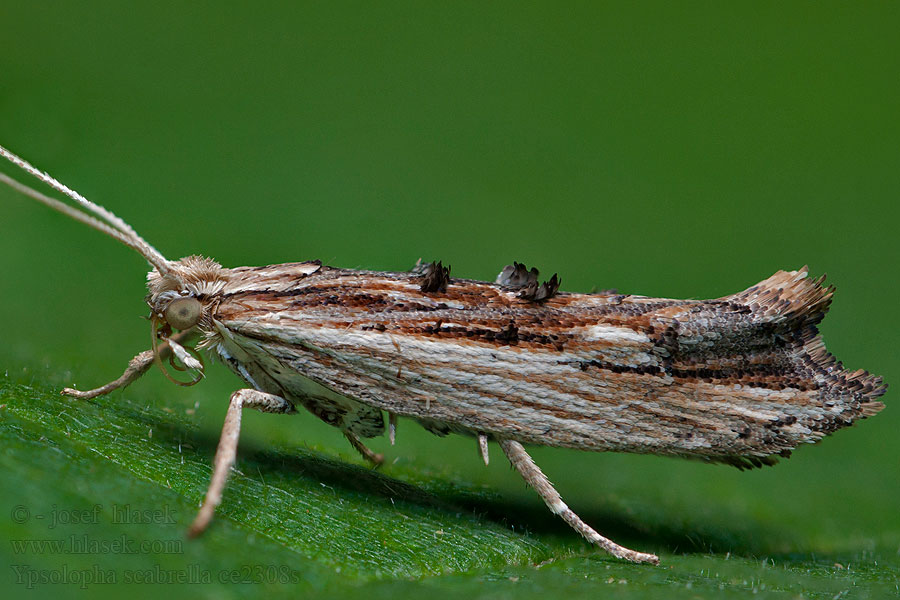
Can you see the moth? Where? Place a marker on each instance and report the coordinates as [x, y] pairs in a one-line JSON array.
[[743, 379]]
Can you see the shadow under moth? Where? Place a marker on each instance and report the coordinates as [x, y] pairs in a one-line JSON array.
[[742, 379]]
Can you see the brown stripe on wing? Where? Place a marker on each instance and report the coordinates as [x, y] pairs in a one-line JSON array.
[[672, 417]]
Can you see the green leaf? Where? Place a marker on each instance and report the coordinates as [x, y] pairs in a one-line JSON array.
[[133, 475], [344, 516]]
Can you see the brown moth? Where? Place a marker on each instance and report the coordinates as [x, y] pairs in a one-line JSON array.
[[742, 379]]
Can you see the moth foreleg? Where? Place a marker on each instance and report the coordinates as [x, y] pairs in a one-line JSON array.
[[533, 475], [227, 450], [137, 366], [372, 457]]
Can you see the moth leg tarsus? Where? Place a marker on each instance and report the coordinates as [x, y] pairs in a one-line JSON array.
[[375, 459], [483, 448], [137, 366], [392, 427], [533, 475], [227, 449]]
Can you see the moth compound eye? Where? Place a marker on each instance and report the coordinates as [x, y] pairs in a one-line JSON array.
[[184, 313]]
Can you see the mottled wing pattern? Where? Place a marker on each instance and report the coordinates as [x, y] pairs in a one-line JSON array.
[[736, 379]]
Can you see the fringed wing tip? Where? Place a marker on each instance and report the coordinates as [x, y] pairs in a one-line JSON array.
[[860, 383], [745, 463], [795, 303], [873, 408], [788, 296]]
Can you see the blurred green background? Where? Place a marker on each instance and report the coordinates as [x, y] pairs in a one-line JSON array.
[[669, 150]]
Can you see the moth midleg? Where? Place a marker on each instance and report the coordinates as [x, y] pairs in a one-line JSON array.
[[533, 475], [137, 366], [227, 449], [369, 455]]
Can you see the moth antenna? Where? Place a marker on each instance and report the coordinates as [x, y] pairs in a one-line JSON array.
[[113, 226], [51, 181]]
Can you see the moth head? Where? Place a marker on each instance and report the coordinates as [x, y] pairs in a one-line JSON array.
[[175, 318], [181, 292], [185, 295], [183, 299]]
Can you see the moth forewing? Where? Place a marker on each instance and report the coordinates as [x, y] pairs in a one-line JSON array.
[[741, 379], [729, 379]]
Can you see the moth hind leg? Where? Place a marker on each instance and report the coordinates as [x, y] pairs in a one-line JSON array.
[[533, 475], [374, 458], [227, 449]]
